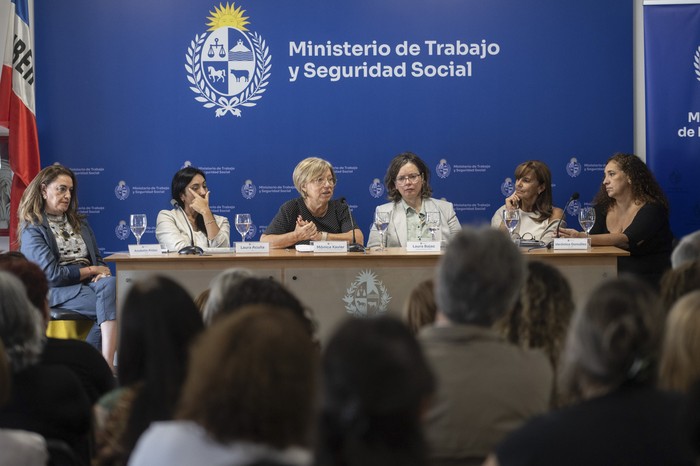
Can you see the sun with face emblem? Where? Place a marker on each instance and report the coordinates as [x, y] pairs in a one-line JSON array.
[[228, 15]]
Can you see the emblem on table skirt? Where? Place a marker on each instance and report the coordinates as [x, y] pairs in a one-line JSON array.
[[367, 296], [228, 67]]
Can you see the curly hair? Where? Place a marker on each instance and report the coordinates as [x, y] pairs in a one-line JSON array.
[[645, 188], [392, 172]]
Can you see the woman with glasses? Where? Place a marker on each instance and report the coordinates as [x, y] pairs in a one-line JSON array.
[[191, 222], [55, 236], [313, 216], [533, 198], [408, 185]]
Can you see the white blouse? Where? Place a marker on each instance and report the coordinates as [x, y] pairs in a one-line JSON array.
[[528, 225], [173, 231]]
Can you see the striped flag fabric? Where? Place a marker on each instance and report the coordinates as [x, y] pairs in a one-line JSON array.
[[17, 105]]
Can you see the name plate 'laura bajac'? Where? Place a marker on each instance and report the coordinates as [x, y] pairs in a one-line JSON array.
[[252, 247], [330, 246], [423, 246]]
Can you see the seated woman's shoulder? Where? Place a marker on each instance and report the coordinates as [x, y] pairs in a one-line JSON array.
[[557, 213]]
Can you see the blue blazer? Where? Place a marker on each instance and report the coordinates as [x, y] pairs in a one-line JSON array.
[[39, 246]]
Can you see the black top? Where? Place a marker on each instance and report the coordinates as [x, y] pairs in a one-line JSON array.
[[84, 361], [650, 242], [633, 426], [336, 220]]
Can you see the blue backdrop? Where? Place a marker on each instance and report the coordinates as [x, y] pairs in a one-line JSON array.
[[672, 61], [126, 96]]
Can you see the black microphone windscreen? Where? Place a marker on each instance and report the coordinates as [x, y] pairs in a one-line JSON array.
[[173, 202], [343, 201], [574, 196]]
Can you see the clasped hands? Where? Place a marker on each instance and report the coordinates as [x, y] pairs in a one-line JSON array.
[[98, 272], [305, 230]]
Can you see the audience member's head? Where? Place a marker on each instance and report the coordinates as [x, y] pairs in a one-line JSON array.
[[220, 290], [540, 317], [158, 323], [201, 300], [21, 328], [376, 383], [420, 306], [679, 367], [252, 377], [5, 376], [230, 294], [31, 276], [687, 250], [613, 339], [479, 277], [679, 281]]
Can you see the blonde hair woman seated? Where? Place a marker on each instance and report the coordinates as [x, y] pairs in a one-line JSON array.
[[680, 356]]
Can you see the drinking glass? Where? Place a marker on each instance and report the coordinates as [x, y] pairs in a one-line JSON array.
[[138, 226], [432, 219], [381, 221], [243, 224], [586, 218], [511, 218]]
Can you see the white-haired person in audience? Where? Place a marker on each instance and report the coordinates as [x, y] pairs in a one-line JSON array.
[[249, 395], [687, 250], [609, 365], [48, 400], [486, 386]]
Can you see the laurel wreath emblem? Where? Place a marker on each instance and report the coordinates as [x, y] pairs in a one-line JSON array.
[[245, 99], [697, 64], [349, 298]]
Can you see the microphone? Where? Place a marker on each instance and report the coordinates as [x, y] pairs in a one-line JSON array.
[[573, 197], [352, 247], [191, 249]]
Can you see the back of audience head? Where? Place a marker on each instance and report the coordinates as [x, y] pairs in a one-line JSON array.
[[613, 339], [679, 281], [252, 377], [687, 250], [21, 328], [420, 306], [376, 383], [220, 291], [5, 377], [159, 321], [679, 367], [232, 294], [479, 277], [540, 317], [31, 276]]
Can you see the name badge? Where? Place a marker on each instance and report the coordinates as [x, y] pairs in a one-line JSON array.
[[145, 250], [571, 243], [423, 246], [330, 246], [252, 247]]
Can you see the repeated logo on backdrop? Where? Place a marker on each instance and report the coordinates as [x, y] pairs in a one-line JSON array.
[[228, 67], [573, 168], [248, 190], [443, 169], [507, 187], [122, 230], [122, 191], [376, 189]]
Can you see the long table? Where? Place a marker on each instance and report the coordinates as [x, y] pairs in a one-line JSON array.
[[335, 286]]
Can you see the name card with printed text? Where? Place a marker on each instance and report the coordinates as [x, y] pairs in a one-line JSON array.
[[330, 246], [423, 246], [145, 250], [571, 243], [252, 247]]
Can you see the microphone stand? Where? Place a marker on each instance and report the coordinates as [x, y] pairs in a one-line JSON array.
[[573, 197], [354, 246]]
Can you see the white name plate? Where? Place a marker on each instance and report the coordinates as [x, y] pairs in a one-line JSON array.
[[252, 247], [145, 250], [571, 243], [423, 246], [330, 246]]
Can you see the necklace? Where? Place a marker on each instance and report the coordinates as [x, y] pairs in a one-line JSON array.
[[58, 224]]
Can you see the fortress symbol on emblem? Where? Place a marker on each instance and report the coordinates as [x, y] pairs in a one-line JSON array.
[[122, 230], [376, 189], [443, 169], [228, 67], [122, 191], [507, 187], [573, 168], [248, 190]]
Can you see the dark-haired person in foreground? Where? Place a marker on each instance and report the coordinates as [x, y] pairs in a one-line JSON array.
[[487, 387], [609, 365]]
